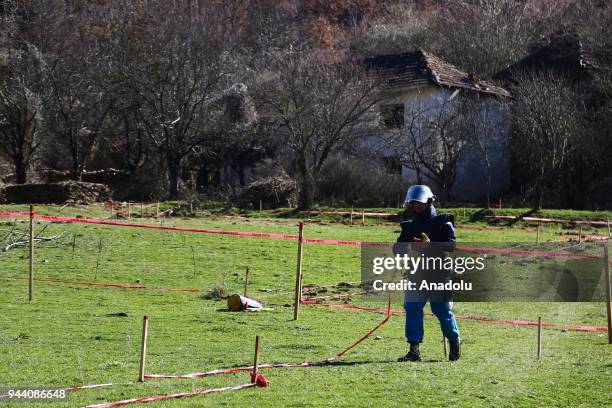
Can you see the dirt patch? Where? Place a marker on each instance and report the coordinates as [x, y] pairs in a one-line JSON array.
[[340, 288]]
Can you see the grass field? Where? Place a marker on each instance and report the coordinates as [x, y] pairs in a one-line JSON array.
[[72, 334]]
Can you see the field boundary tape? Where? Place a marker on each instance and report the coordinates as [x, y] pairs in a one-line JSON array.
[[462, 317], [503, 251]]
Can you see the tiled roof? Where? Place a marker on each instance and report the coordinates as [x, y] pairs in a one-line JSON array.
[[418, 68]]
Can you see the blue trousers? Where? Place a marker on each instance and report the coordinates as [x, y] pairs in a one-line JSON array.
[[414, 320]]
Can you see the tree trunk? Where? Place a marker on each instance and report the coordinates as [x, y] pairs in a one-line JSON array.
[[540, 199], [78, 172], [241, 174], [488, 188], [489, 178], [21, 171], [306, 194], [174, 173], [306, 185], [77, 166]]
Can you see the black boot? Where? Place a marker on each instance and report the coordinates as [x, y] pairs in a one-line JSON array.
[[455, 350], [413, 354]]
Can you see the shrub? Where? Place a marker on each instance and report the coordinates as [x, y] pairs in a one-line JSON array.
[[360, 181], [274, 191]]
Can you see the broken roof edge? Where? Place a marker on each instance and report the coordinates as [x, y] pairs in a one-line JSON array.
[[564, 51], [417, 68]]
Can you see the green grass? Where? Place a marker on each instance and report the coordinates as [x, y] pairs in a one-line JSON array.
[[461, 213], [67, 336]]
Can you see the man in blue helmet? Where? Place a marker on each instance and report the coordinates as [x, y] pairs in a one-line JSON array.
[[426, 226]]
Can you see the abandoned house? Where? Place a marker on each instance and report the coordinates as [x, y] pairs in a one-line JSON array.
[[430, 139]]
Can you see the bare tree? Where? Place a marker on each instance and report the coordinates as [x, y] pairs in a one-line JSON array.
[[485, 126], [399, 27], [128, 144], [589, 177], [315, 104], [23, 81], [77, 111], [431, 140], [21, 110], [175, 74], [80, 96], [545, 120], [485, 36]]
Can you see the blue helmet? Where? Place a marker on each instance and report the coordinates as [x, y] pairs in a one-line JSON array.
[[419, 193]]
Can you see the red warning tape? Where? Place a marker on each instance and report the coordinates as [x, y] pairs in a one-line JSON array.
[[111, 285], [501, 217], [237, 369], [260, 381], [475, 318], [546, 254], [330, 297], [382, 322], [536, 219], [314, 240], [330, 360], [86, 387], [373, 214], [209, 231], [526, 252], [529, 323], [14, 214], [160, 227]]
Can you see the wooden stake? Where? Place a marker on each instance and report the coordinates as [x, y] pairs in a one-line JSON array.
[[298, 274], [73, 244], [193, 258], [538, 234], [608, 294], [141, 209], [301, 286], [539, 337], [362, 216], [445, 342], [256, 360], [580, 233], [351, 215], [143, 347], [31, 284], [129, 209], [246, 281], [260, 206], [609, 232]]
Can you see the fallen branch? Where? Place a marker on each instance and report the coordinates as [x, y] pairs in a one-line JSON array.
[[36, 239]]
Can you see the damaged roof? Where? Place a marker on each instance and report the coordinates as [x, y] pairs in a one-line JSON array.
[[419, 68], [563, 52]]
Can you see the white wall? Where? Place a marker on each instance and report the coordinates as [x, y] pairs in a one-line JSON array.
[[470, 184]]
